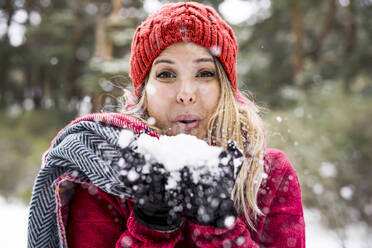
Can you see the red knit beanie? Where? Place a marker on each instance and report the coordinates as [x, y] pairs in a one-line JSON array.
[[182, 22]]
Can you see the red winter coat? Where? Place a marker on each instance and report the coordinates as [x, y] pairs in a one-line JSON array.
[[97, 219]]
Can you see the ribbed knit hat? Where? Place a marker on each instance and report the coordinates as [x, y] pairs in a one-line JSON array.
[[182, 22]]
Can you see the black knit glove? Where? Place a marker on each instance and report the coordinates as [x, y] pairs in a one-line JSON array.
[[206, 193], [155, 207]]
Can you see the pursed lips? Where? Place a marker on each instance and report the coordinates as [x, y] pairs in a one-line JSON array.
[[187, 122]]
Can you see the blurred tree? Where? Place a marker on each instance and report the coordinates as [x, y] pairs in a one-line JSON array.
[[72, 48], [310, 62], [45, 65], [108, 69], [304, 44], [327, 136]]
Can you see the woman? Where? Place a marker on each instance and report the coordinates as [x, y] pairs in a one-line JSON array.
[[183, 68]]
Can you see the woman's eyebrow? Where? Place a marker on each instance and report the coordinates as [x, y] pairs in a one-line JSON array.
[[163, 61], [200, 60], [203, 60]]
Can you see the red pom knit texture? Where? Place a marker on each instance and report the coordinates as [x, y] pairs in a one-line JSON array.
[[182, 22]]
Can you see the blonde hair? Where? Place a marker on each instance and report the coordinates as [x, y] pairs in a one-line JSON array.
[[231, 121]]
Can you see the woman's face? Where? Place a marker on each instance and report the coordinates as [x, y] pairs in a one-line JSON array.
[[183, 89]]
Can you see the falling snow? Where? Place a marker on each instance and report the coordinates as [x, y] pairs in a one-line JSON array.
[[327, 170], [346, 192], [125, 137], [133, 175], [151, 121], [150, 89], [215, 51], [229, 221], [318, 188]]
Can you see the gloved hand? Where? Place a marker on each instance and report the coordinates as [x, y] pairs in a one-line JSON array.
[[156, 207], [206, 192]]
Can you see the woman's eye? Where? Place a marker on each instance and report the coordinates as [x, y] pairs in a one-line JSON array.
[[165, 74], [206, 74]]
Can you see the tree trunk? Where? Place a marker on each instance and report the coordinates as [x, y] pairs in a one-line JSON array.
[[103, 48], [10, 11], [350, 30], [47, 92], [297, 29], [116, 6], [4, 78], [325, 28], [5, 86], [71, 89], [32, 79]]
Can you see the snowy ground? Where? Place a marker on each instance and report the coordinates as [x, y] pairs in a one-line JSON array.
[[319, 237], [13, 224], [13, 230]]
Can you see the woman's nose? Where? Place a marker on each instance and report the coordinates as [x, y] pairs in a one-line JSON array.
[[186, 94]]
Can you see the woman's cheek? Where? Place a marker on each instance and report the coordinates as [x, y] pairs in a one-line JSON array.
[[159, 91], [210, 95], [204, 91]]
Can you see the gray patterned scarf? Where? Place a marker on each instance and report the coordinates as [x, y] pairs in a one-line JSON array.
[[87, 149]]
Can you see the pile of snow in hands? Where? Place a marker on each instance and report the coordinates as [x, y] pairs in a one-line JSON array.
[[175, 153]]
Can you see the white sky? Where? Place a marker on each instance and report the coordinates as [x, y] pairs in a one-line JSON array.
[[233, 11]]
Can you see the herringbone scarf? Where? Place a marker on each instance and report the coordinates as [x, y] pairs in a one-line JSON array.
[[87, 149]]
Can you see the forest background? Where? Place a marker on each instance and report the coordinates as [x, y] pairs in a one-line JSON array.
[[307, 63]]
